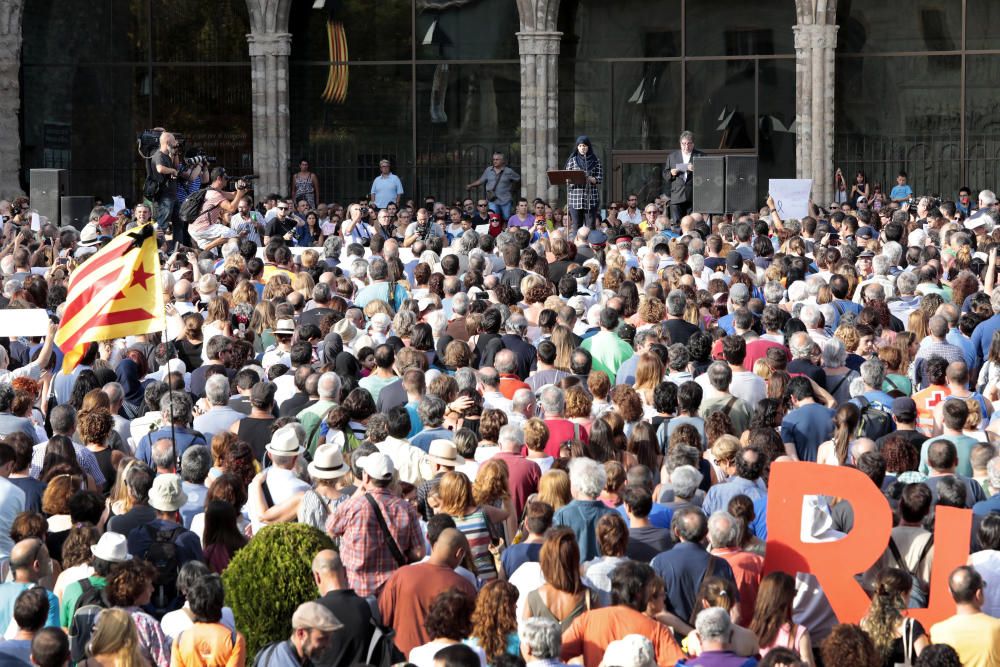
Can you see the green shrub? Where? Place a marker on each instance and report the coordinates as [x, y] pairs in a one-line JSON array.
[[269, 578]]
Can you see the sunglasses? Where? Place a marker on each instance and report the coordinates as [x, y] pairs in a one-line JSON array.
[[282, 208], [614, 206]]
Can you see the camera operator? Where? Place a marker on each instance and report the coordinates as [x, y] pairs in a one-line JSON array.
[[422, 229], [208, 230], [167, 163], [356, 226], [17, 215]]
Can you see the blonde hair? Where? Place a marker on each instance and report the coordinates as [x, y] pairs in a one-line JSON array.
[[378, 306], [303, 283], [455, 493], [762, 369], [115, 635], [725, 448], [553, 488]]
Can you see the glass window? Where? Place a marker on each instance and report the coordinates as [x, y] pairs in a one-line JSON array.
[[600, 29], [916, 128], [982, 125], [775, 122], [739, 28], [108, 31], [899, 25], [720, 103], [344, 142], [355, 30], [464, 113], [647, 104], [190, 30], [468, 31], [982, 17]]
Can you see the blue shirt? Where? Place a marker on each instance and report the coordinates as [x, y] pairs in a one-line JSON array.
[[807, 427], [901, 192], [982, 337], [878, 398], [718, 496], [759, 523], [518, 554], [184, 437], [726, 324], [423, 439], [8, 595], [386, 189], [682, 569], [582, 516], [956, 338], [381, 291], [416, 424]]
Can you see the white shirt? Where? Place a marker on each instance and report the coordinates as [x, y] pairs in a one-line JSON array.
[[987, 564], [11, 504], [283, 484], [176, 622], [526, 578], [410, 462], [749, 387]]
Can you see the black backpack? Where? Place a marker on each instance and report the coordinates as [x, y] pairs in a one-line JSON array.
[[191, 207], [81, 627], [162, 554], [875, 422]]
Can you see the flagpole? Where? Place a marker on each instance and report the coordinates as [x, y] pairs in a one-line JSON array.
[[170, 390]]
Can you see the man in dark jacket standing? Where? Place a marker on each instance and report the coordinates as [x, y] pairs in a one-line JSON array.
[[679, 172]]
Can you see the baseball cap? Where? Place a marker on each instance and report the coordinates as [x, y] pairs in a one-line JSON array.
[[597, 237], [866, 233], [905, 409], [734, 260], [377, 465]]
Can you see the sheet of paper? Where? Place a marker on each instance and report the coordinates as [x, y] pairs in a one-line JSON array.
[[791, 196], [27, 322], [36, 223], [118, 205], [682, 167]]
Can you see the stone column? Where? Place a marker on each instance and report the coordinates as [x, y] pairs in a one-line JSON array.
[[269, 100], [539, 111], [815, 46], [10, 97]]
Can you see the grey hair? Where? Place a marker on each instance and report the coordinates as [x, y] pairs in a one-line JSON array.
[[587, 476], [505, 361], [511, 434], [834, 353], [517, 324], [987, 197], [686, 134], [522, 399], [378, 269], [552, 400], [98, 212], [468, 240], [696, 261], [431, 410], [678, 357], [873, 292], [801, 345], [676, 302], [332, 247], [723, 530], [993, 472], [195, 463], [163, 455], [403, 322], [881, 264], [114, 391], [906, 282], [465, 378], [714, 624], [62, 417], [773, 292], [460, 303], [810, 316], [873, 373], [176, 407], [893, 252], [685, 480], [329, 386], [359, 268], [720, 375], [217, 389], [321, 293], [542, 636]]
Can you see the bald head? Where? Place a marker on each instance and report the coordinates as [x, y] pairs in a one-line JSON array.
[[182, 290], [450, 548], [327, 561], [937, 326], [166, 139], [29, 559]]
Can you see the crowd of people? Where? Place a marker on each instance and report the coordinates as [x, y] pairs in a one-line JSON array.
[[534, 439]]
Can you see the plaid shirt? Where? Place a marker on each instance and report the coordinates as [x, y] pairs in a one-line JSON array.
[[83, 455], [585, 196], [363, 546]]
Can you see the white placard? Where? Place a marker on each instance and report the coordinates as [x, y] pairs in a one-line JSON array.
[[682, 167], [117, 205], [791, 196], [19, 323], [36, 223]]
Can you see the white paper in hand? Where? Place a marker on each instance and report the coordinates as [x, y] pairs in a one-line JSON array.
[[791, 196], [36, 223], [24, 322], [117, 205], [682, 167]]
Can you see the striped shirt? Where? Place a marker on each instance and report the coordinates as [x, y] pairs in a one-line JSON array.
[[477, 531], [242, 224]]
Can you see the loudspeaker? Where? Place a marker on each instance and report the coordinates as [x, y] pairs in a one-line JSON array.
[[709, 184], [741, 183], [75, 211], [47, 186]]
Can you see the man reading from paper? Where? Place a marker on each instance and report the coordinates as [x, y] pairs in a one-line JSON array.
[[679, 172]]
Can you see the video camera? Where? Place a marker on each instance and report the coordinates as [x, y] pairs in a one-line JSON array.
[[246, 181]]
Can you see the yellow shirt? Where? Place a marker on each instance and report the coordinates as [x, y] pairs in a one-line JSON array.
[[975, 637], [209, 645]]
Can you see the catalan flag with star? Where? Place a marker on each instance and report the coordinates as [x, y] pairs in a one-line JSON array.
[[114, 293]]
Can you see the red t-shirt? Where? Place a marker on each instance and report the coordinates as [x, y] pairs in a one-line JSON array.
[[522, 478]]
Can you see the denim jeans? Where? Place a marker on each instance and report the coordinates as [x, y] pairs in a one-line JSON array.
[[164, 208], [505, 210]]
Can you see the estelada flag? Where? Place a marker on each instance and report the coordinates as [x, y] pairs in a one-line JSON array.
[[114, 293]]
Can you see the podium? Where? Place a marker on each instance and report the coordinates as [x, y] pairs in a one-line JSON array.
[[566, 177]]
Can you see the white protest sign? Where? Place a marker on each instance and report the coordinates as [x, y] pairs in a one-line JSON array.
[[118, 205], [791, 196], [36, 223], [26, 322]]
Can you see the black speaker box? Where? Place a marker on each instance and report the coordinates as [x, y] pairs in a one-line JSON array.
[[75, 211], [741, 183], [709, 184]]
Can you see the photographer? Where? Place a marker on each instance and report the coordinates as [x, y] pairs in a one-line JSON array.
[[16, 218], [166, 163], [281, 225], [422, 229], [207, 230], [356, 226]]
